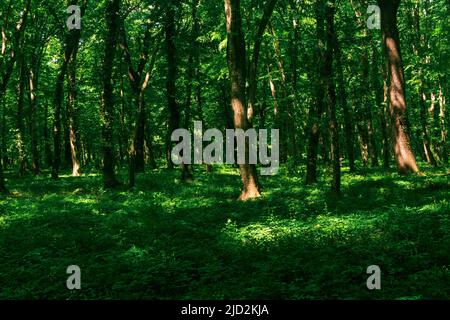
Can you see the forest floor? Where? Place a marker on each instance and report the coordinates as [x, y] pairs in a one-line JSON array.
[[169, 240]]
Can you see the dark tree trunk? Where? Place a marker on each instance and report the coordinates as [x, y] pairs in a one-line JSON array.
[[3, 188], [20, 138], [380, 104], [331, 101], [107, 104], [47, 143], [444, 147], [174, 113], [33, 81], [138, 82], [316, 110], [347, 114], [5, 77]]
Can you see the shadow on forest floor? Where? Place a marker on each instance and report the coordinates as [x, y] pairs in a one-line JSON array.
[[170, 240]]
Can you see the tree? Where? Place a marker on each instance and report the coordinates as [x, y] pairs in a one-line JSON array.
[[236, 53], [316, 110], [139, 81], [253, 68], [331, 99], [5, 77], [107, 103], [72, 39], [404, 156]]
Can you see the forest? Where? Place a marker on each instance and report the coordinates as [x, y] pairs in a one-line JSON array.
[[92, 91]]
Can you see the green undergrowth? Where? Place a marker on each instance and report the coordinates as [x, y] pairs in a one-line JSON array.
[[170, 240]]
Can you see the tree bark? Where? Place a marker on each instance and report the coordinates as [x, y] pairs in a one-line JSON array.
[[237, 68], [253, 68], [380, 104], [33, 82], [316, 110], [5, 77], [331, 101], [20, 138], [174, 113], [107, 104], [443, 124], [348, 116], [404, 156], [70, 53], [72, 112]]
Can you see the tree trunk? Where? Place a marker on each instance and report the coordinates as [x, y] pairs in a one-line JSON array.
[[404, 156], [316, 110], [47, 146], [347, 114], [253, 68], [331, 101], [444, 149], [286, 121], [174, 112], [20, 138], [107, 104], [419, 47], [424, 124], [3, 188], [237, 67], [72, 112], [18, 35], [69, 63], [33, 81], [380, 104]]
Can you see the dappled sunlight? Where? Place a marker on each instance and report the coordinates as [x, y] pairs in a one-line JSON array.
[[153, 242], [316, 231]]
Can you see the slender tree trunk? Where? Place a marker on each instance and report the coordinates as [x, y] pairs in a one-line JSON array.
[[331, 101], [5, 77], [444, 148], [123, 129], [33, 81], [3, 148], [3, 188], [237, 67], [107, 104], [285, 121], [47, 147], [424, 124], [17, 40], [72, 112], [69, 63], [253, 68], [380, 104], [347, 114], [20, 138], [192, 70], [316, 110], [404, 156], [373, 150], [57, 127], [363, 139], [174, 112]]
